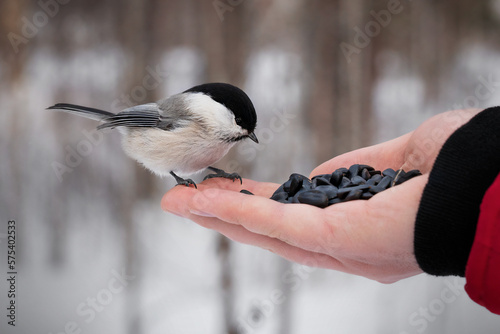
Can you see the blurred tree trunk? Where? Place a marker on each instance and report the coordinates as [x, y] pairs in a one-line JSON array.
[[11, 199], [136, 36], [225, 43], [286, 307], [227, 285], [338, 103]]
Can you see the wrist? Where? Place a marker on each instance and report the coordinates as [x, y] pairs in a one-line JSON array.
[[447, 216]]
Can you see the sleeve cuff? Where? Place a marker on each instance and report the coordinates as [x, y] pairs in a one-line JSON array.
[[483, 267], [447, 216]]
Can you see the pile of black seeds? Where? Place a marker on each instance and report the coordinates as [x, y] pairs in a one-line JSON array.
[[344, 184]]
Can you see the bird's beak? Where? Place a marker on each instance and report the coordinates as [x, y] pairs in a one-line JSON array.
[[253, 137]]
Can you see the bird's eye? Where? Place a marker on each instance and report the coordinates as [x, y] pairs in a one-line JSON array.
[[238, 120]]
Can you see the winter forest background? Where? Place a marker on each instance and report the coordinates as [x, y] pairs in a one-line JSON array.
[[96, 254]]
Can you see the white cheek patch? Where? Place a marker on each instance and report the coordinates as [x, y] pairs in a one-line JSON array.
[[202, 104], [215, 115]]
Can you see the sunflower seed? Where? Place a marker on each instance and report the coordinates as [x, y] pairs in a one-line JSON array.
[[353, 170], [353, 194], [367, 195], [280, 196], [365, 174], [314, 197], [343, 192], [405, 176], [330, 191], [357, 180], [244, 191], [336, 178], [345, 183], [320, 181], [377, 178], [389, 172]]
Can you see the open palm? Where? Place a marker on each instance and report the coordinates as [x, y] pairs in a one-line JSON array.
[[372, 238]]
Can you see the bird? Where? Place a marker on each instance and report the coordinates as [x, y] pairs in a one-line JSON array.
[[182, 134]]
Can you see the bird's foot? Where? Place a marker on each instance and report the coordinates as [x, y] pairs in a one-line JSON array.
[[223, 174], [183, 182]]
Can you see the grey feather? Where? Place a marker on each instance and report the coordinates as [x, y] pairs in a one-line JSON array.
[[132, 119], [174, 108], [92, 113], [167, 114]]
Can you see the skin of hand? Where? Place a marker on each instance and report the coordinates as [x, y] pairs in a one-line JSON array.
[[371, 238]]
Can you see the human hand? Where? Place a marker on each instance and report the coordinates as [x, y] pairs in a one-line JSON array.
[[372, 238]]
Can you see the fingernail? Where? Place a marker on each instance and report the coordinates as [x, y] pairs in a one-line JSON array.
[[201, 213]]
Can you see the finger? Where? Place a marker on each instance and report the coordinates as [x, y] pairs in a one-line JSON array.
[[308, 258], [239, 234], [390, 154], [265, 189], [300, 225], [176, 199]]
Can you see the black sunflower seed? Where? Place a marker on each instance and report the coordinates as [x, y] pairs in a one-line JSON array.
[[342, 170], [244, 191], [385, 182], [365, 174], [345, 182], [313, 197], [366, 195], [353, 170], [357, 180], [375, 172], [405, 176], [330, 191], [320, 181], [334, 201], [343, 192], [336, 178], [377, 178], [280, 196], [389, 172], [353, 194], [368, 167]]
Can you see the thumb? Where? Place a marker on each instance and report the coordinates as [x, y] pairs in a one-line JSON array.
[[389, 154]]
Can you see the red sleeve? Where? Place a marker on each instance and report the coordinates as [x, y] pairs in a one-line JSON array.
[[483, 266]]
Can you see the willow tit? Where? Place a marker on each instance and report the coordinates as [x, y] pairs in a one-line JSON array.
[[184, 133]]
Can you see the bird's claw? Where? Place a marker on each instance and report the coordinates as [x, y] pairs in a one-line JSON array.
[[186, 182], [183, 182], [223, 174]]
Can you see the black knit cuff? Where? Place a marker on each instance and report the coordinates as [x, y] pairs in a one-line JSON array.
[[447, 216]]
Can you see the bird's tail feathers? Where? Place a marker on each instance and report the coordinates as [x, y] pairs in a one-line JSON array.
[[92, 113]]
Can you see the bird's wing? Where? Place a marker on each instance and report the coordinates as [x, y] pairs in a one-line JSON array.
[[144, 115]]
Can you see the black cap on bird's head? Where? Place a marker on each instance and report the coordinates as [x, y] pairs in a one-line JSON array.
[[233, 99]]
